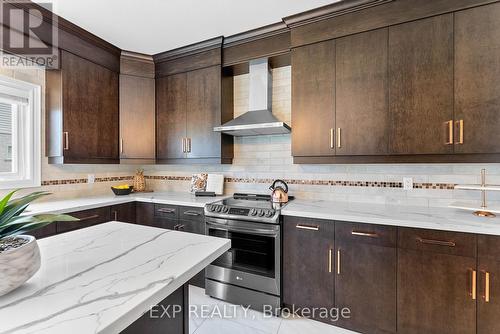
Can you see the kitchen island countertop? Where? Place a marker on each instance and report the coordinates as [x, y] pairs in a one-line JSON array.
[[102, 278]]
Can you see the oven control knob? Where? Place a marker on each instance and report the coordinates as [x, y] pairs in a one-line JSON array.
[[253, 212], [261, 213], [218, 208], [210, 208], [225, 209], [269, 213]]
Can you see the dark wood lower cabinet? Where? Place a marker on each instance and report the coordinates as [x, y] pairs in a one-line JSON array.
[[44, 232], [488, 299], [308, 278], [144, 213], [435, 293], [125, 212], [87, 218], [152, 322], [366, 275]]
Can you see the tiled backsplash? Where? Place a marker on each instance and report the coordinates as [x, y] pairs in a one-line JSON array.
[[258, 160]]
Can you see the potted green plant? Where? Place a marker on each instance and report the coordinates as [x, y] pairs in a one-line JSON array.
[[19, 254]]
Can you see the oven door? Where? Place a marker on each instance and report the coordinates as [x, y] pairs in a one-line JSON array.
[[253, 261]]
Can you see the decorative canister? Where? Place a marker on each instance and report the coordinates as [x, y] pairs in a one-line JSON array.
[[139, 181]]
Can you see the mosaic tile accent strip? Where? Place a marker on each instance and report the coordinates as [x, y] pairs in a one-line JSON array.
[[334, 183], [79, 181]]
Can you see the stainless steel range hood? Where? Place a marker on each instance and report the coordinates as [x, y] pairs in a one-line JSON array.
[[258, 120]]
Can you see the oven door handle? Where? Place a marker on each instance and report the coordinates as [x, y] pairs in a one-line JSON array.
[[228, 228]]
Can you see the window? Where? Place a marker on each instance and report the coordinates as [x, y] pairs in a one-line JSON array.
[[19, 134]]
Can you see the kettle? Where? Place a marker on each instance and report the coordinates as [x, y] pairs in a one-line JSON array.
[[280, 191]]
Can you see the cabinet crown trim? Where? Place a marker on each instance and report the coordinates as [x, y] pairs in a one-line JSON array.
[[256, 34], [192, 49], [329, 11]]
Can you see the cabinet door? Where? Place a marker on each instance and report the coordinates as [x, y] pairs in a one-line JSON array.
[[44, 232], [170, 116], [362, 111], [137, 117], [125, 213], [308, 262], [144, 214], [421, 86], [488, 305], [434, 293], [204, 112], [90, 109], [366, 275], [477, 84], [313, 99]]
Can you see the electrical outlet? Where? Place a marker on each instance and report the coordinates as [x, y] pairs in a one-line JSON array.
[[90, 178], [407, 183]]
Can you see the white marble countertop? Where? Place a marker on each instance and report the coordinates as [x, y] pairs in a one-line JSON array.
[[102, 278], [446, 219], [85, 203]]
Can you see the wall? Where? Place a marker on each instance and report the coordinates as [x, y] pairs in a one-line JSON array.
[[75, 173], [259, 159]]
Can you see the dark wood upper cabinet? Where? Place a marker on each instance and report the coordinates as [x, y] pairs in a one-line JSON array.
[[365, 280], [82, 112], [313, 100], [137, 109], [435, 282], [171, 116], [204, 112], [477, 84], [308, 263], [421, 86], [361, 112]]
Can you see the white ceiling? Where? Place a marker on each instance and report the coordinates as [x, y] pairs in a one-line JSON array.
[[153, 26]]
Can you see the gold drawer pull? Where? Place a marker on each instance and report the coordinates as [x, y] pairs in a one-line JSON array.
[[329, 260], [307, 227], [66, 141], [89, 218], [365, 234], [436, 242], [165, 210], [474, 283], [487, 287], [460, 124], [449, 124]]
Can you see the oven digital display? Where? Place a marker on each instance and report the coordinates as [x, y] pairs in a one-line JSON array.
[[239, 211]]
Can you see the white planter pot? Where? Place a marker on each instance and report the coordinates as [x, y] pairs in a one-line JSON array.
[[18, 265]]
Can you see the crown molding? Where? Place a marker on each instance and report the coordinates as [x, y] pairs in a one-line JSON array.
[[189, 50]]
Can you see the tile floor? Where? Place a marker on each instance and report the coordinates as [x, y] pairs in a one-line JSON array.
[[228, 319]]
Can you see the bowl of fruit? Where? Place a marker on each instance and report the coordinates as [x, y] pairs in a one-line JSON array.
[[123, 189]]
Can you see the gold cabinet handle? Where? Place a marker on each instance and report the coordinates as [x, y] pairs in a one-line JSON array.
[[307, 227], [460, 124], [66, 140], [338, 261], [189, 145], [115, 214], [339, 137], [436, 242], [183, 145], [449, 124], [364, 234], [330, 260], [473, 285], [121, 145], [331, 138], [487, 287]]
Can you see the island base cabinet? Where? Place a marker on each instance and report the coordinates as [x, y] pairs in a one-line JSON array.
[[488, 304], [436, 293], [171, 316]]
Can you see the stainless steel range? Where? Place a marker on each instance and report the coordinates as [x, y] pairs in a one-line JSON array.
[[249, 273]]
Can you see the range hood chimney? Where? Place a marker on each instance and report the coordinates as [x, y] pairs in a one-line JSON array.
[[258, 120]]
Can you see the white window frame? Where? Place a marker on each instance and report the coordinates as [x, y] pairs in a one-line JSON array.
[[26, 139]]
